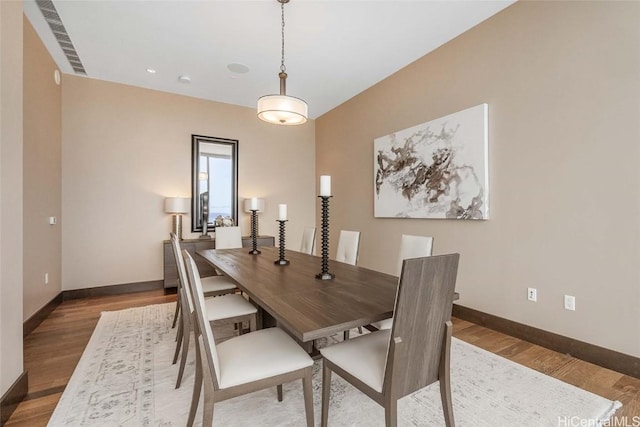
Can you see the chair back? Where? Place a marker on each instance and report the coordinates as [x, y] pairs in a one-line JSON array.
[[308, 240], [413, 247], [177, 255], [185, 300], [348, 245], [420, 334], [175, 246], [228, 237], [182, 273], [203, 325]]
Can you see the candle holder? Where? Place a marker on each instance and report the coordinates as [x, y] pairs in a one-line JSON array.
[[254, 233], [324, 274], [281, 260]]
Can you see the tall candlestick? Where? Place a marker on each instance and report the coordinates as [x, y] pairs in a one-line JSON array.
[[281, 260], [325, 185], [324, 274], [282, 212], [254, 231]]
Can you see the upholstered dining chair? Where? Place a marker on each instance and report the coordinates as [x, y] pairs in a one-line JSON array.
[[228, 237], [348, 245], [410, 247], [387, 365], [308, 240], [243, 364], [227, 308], [212, 285]]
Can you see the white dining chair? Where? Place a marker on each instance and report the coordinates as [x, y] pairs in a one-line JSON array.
[[227, 308], [389, 364], [243, 364], [348, 245], [410, 247], [308, 240], [228, 237], [212, 285]]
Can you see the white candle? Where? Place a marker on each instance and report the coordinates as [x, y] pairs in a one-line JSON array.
[[325, 185], [254, 204], [282, 212]]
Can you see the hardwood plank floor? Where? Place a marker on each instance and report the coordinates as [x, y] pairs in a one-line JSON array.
[[52, 351]]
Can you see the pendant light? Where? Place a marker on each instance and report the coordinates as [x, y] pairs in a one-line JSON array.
[[282, 109]]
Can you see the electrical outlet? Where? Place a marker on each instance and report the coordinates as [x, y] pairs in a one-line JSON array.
[[46, 278], [532, 294], [570, 302]]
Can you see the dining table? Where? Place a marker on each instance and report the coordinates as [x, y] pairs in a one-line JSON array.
[[306, 307]]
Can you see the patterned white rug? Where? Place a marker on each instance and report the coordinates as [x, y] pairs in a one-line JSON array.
[[125, 378]]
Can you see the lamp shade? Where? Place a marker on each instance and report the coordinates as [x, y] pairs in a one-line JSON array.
[[176, 205], [247, 205], [282, 109]]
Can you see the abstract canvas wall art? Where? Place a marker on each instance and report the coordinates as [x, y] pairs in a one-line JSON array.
[[438, 169]]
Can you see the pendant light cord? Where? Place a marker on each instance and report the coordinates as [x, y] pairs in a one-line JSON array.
[[282, 67]]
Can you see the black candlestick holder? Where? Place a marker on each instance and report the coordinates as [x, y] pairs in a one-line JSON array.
[[324, 274], [254, 233], [281, 260]]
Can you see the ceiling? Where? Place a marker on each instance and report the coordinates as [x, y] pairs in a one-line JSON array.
[[334, 49]]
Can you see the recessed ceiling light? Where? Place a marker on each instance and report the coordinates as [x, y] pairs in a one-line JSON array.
[[151, 71], [184, 79], [238, 68]]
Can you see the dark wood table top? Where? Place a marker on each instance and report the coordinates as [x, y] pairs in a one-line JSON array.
[[307, 307]]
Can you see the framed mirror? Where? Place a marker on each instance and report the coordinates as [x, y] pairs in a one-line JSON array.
[[214, 181]]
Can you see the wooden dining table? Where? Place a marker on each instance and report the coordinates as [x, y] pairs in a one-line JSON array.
[[306, 307]]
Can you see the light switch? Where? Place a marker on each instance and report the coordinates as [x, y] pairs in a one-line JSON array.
[[53, 220]]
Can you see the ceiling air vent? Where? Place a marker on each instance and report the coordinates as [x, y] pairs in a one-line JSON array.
[[60, 32]]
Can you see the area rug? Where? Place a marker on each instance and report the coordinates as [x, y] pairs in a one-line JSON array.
[[125, 378]]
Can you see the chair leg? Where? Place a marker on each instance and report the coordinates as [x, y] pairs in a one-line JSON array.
[[178, 341], [345, 335], [447, 404], [326, 388], [179, 333], [360, 330], [391, 413], [197, 387], [175, 315], [185, 351], [308, 397], [279, 388], [253, 321], [207, 414], [444, 375]]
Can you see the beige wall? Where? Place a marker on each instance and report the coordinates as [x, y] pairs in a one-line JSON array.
[[561, 81], [124, 149], [42, 175], [10, 193]]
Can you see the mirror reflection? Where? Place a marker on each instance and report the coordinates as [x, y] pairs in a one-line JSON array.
[[214, 182]]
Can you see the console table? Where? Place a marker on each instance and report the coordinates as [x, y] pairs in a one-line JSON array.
[[194, 245]]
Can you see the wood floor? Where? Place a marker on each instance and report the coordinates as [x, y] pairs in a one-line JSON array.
[[52, 351]]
